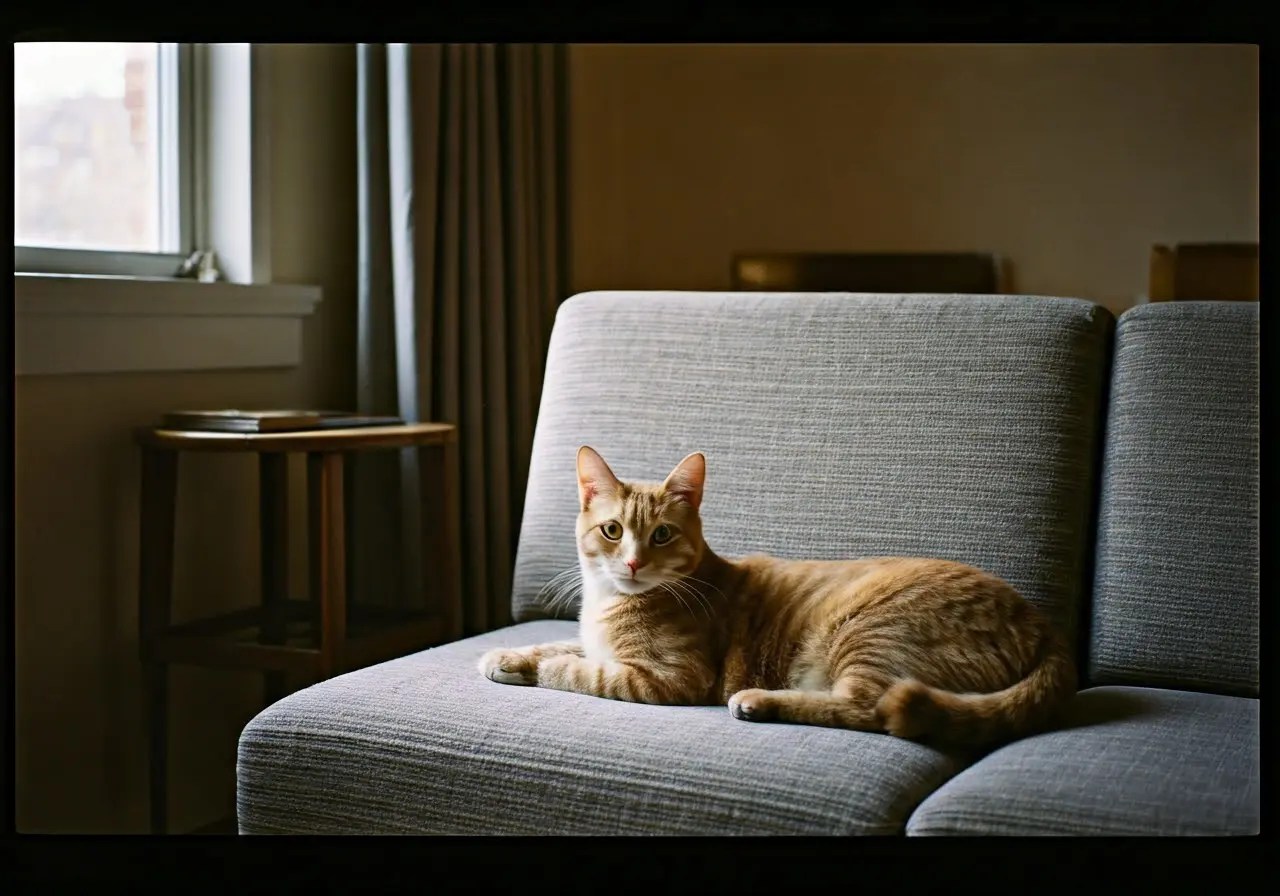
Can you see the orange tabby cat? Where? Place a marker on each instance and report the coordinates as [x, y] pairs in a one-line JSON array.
[[920, 648]]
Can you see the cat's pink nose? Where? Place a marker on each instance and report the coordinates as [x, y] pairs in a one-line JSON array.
[[633, 564]]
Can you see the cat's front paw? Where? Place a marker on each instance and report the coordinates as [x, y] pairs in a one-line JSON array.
[[509, 667], [751, 705]]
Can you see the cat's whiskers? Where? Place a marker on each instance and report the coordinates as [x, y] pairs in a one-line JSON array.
[[561, 603], [667, 588], [703, 582], [564, 598], [684, 581], [556, 583], [706, 601], [690, 591], [558, 593]]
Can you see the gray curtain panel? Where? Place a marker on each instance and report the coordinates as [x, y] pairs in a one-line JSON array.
[[462, 267]]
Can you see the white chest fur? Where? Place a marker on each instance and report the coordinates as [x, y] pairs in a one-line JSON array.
[[595, 643]]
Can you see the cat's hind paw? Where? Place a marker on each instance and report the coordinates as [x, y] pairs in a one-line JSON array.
[[508, 667], [752, 705]]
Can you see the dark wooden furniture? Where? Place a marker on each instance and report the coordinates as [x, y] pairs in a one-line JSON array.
[[940, 273], [315, 638], [1205, 272]]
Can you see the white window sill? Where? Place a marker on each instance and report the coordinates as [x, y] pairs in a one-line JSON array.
[[79, 325]]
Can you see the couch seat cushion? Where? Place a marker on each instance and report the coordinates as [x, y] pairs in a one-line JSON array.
[[1132, 761], [426, 745]]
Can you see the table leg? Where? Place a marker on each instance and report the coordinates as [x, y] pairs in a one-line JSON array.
[[273, 558], [327, 549], [441, 523], [157, 514], [350, 461]]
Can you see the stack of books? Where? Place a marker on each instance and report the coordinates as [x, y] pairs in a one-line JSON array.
[[272, 421]]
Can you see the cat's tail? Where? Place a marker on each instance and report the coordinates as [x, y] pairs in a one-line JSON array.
[[913, 709]]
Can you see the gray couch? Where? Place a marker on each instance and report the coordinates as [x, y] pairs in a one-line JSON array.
[[1108, 469]]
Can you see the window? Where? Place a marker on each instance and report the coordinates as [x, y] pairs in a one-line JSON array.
[[104, 172]]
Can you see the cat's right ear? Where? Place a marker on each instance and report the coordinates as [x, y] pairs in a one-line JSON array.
[[594, 476]]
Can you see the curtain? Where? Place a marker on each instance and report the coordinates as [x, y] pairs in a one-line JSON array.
[[461, 269]]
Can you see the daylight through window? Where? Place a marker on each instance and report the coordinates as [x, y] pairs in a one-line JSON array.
[[98, 148]]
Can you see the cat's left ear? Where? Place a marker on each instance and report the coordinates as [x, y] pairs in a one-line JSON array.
[[687, 479]]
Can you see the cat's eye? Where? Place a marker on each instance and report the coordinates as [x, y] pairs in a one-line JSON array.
[[662, 534], [611, 530]]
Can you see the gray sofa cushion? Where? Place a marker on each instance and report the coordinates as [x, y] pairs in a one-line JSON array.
[[426, 745], [1175, 599], [834, 426], [1135, 761]]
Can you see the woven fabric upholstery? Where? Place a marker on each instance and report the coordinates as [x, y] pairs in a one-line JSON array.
[[1175, 597], [1132, 761]]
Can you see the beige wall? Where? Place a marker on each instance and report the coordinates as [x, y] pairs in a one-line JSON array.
[[81, 748], [1071, 160]]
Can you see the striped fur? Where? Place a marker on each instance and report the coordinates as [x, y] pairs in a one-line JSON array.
[[919, 648]]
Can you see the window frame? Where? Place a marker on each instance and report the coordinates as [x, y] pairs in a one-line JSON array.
[[77, 324], [181, 69]]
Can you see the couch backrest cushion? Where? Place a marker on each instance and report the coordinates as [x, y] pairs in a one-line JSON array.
[[1175, 596], [834, 425]]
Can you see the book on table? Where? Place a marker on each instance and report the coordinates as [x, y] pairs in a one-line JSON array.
[[268, 421]]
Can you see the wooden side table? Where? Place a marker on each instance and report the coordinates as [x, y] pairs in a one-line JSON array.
[[336, 636]]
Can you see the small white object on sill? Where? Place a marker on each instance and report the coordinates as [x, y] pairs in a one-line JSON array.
[[201, 265]]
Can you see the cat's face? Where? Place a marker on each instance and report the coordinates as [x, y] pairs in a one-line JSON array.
[[634, 537]]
